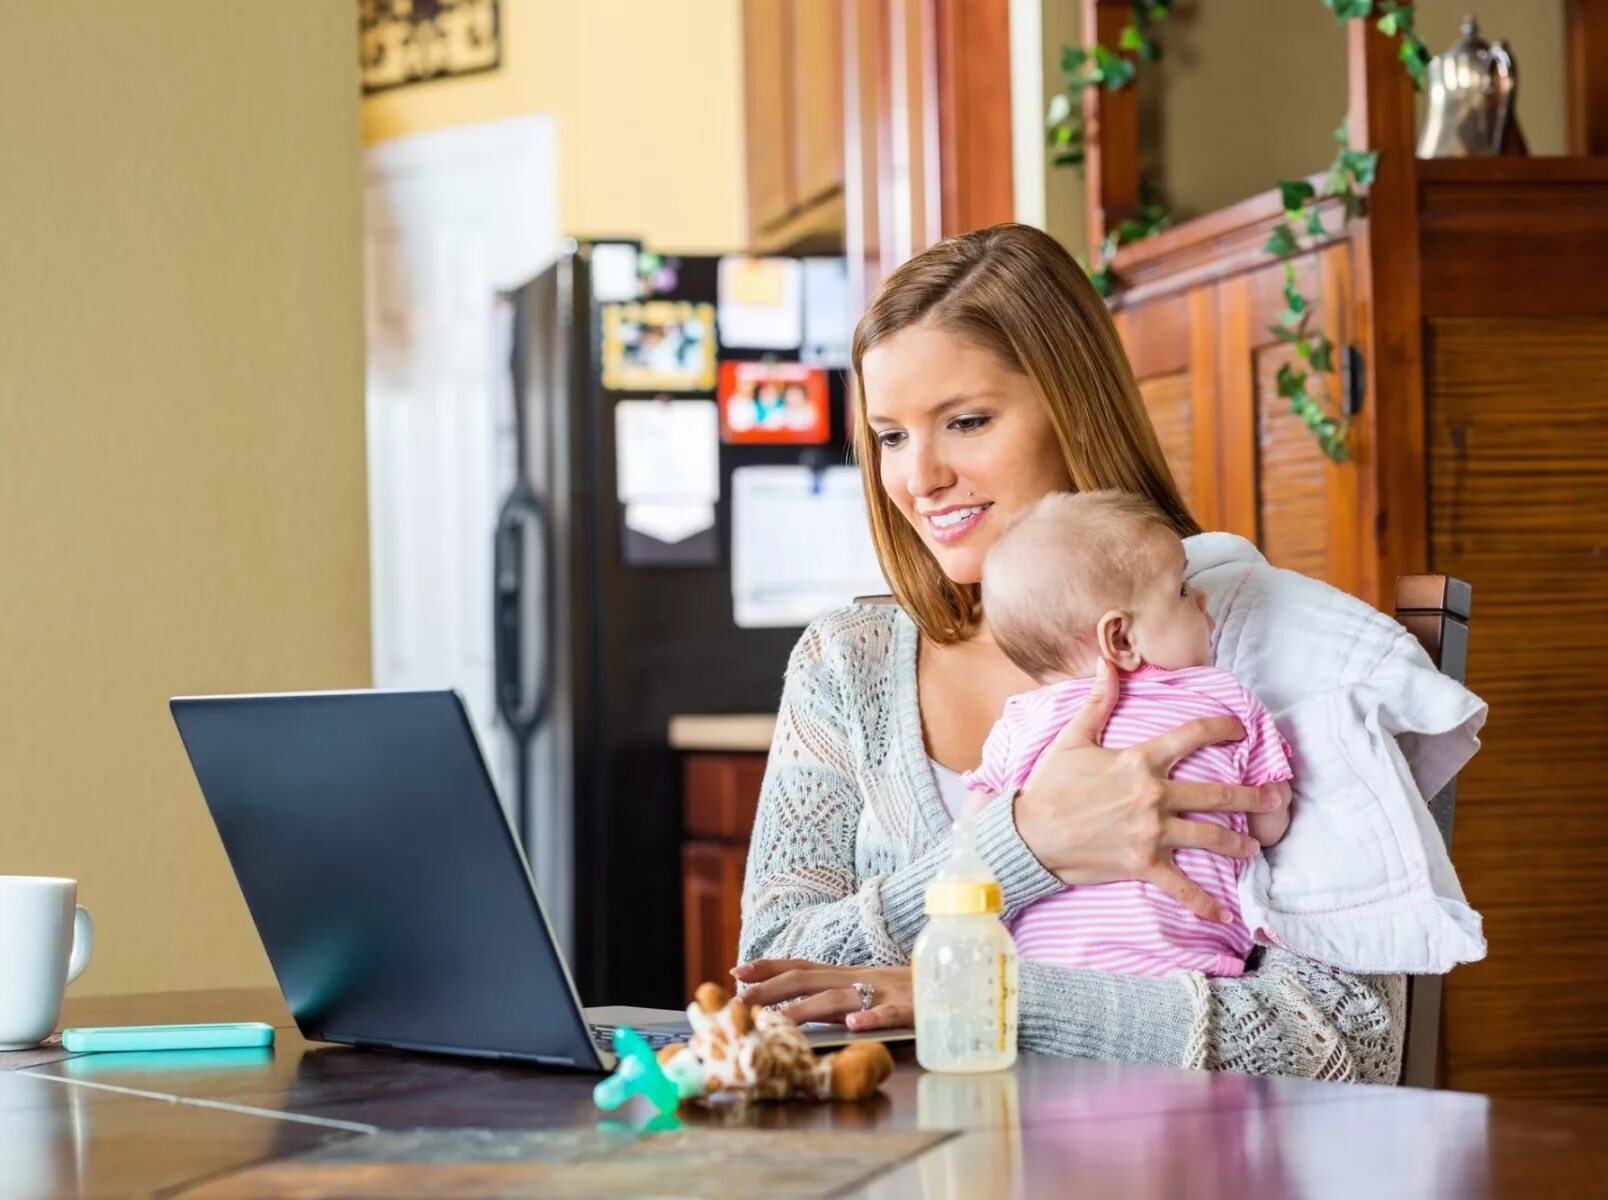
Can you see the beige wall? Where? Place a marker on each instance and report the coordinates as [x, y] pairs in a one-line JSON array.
[[647, 96], [1247, 94], [181, 436]]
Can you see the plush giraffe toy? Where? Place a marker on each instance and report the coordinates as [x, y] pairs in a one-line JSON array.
[[759, 1054]]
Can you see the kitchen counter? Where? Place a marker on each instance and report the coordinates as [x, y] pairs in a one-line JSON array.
[[728, 733]]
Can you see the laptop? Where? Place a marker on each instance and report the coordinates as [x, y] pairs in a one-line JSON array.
[[387, 885]]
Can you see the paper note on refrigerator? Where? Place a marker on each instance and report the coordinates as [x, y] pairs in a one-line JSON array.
[[800, 544], [761, 302], [827, 327], [667, 463]]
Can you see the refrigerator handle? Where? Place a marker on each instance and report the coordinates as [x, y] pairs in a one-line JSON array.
[[522, 570]]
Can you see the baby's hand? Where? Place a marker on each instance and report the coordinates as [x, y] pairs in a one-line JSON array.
[[1269, 827]]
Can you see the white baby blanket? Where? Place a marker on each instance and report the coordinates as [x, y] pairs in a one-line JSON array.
[[1362, 879]]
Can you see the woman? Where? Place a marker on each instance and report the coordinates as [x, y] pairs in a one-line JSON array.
[[990, 374]]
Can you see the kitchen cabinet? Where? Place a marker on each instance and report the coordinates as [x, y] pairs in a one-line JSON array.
[[719, 796]]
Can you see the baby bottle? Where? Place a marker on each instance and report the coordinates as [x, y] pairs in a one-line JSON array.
[[964, 968]]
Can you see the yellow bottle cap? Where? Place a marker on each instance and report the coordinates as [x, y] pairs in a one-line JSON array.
[[964, 897]]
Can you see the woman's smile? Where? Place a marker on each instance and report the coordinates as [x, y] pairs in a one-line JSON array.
[[955, 522]]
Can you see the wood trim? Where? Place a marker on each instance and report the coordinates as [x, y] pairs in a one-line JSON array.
[[1341, 479], [1207, 249], [1205, 407], [1511, 169], [862, 205], [973, 129], [1389, 442], [1586, 75], [1237, 433], [1551, 215], [1111, 131]]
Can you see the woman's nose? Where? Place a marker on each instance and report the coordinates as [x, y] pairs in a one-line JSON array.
[[927, 473]]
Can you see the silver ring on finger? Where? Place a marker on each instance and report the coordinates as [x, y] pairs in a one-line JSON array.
[[867, 994]]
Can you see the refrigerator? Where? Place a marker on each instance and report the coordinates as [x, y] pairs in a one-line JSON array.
[[594, 654]]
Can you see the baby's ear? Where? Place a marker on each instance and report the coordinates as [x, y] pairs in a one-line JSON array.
[[1114, 634]]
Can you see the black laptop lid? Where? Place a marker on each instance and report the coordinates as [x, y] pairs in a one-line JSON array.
[[384, 879]]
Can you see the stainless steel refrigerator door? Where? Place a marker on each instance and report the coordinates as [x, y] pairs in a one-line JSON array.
[[540, 388]]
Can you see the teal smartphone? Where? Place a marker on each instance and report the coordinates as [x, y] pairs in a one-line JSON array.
[[166, 1037]]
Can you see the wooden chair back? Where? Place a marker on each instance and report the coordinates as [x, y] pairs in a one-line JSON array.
[[1434, 609]]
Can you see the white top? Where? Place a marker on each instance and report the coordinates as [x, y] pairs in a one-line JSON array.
[[952, 788]]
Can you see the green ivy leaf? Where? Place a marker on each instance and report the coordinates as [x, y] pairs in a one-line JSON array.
[[1119, 74], [1072, 158], [1131, 38], [1314, 224], [1289, 380], [1352, 204], [1073, 58], [1294, 194], [1322, 356], [1284, 334], [1362, 164], [1291, 319], [1281, 242], [1400, 17], [1388, 25], [1294, 301], [1343, 134], [1345, 10]]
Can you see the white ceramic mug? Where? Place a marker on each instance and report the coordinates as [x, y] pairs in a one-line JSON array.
[[45, 940]]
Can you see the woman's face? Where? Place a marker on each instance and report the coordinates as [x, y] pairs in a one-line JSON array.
[[966, 442]]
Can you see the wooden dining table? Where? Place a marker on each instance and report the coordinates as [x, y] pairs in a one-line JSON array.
[[311, 1120]]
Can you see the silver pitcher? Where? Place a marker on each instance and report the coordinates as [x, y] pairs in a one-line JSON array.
[[1472, 91]]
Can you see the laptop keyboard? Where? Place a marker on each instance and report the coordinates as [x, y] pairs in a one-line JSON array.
[[603, 1038]]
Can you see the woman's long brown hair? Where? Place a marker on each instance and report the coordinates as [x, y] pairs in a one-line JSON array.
[[1015, 292]]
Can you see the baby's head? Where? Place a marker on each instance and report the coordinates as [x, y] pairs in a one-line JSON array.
[[1090, 575]]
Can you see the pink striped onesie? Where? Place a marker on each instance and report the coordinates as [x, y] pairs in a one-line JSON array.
[[1133, 928]]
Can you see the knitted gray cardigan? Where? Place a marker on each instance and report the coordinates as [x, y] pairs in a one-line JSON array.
[[851, 828]]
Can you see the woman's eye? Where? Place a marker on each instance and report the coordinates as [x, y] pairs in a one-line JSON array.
[[888, 440], [968, 424]]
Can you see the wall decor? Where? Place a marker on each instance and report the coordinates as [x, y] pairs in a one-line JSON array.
[[401, 42]]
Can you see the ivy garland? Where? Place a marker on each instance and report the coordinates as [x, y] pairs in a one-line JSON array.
[[1102, 67]]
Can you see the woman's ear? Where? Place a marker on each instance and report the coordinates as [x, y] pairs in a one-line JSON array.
[[1115, 635]]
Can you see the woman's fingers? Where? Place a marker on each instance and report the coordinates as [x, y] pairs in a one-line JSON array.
[[768, 968], [883, 1016], [831, 1005], [1088, 726], [1162, 752], [794, 983], [1181, 795], [1188, 893], [1205, 835]]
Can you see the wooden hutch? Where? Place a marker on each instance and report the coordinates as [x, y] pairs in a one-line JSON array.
[[1472, 296]]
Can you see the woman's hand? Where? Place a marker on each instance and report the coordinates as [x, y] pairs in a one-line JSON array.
[[1093, 815], [810, 991]]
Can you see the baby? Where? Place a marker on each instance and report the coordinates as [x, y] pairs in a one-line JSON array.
[[1081, 577]]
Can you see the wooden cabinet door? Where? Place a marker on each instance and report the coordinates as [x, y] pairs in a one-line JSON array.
[[712, 909], [1278, 488], [1171, 345], [768, 99], [817, 99]]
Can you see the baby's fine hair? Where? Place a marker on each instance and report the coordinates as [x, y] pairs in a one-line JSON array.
[[1057, 568]]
